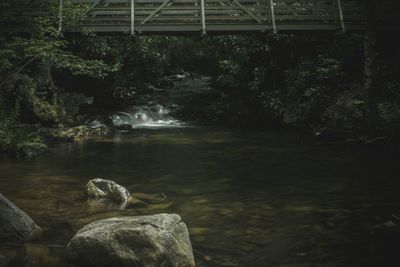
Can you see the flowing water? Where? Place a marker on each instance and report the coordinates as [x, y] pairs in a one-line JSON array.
[[156, 116], [249, 198]]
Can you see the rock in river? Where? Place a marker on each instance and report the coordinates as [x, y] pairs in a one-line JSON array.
[[15, 224], [101, 188], [32, 149], [151, 241]]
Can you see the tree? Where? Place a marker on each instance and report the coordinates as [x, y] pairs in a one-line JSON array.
[[28, 58], [370, 55]]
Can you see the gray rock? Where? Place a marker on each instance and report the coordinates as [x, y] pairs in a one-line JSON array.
[[32, 149], [101, 188], [160, 240], [95, 205], [15, 224]]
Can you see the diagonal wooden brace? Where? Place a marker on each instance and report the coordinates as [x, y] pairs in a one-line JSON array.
[[156, 11], [247, 11]]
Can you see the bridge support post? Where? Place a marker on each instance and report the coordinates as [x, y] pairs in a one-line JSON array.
[[272, 9], [203, 18], [132, 17], [341, 16]]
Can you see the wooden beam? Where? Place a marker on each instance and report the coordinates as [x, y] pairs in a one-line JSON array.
[[156, 11]]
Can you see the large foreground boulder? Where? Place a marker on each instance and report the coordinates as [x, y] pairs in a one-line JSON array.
[[15, 224], [101, 188], [160, 240]]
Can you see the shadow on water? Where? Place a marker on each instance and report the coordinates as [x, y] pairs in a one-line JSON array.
[[249, 198]]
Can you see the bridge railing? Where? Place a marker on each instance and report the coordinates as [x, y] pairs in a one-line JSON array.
[[213, 15]]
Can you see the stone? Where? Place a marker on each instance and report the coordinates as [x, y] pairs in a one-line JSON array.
[[151, 198], [136, 202], [151, 241], [95, 205], [15, 224], [101, 188], [32, 149]]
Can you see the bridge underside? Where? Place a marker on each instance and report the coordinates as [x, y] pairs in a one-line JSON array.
[[212, 16]]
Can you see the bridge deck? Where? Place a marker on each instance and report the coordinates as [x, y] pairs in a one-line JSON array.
[[181, 16]]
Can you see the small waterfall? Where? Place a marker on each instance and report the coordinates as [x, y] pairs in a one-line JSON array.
[[156, 116]]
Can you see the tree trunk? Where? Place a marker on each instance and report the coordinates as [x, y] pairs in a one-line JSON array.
[[44, 103], [369, 67], [44, 82]]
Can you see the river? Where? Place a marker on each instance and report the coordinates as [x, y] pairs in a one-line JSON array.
[[249, 197]]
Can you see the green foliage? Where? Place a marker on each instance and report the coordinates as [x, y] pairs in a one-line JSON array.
[[46, 46], [390, 113], [296, 79], [11, 135], [229, 70], [23, 54], [311, 87], [143, 60]]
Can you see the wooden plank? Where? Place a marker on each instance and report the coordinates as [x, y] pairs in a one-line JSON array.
[[171, 19]]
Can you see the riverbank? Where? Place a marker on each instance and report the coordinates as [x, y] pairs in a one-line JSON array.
[[186, 97], [37, 140]]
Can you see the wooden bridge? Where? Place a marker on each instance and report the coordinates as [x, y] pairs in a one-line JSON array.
[[212, 16]]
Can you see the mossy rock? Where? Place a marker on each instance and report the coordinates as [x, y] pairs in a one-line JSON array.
[[31, 149]]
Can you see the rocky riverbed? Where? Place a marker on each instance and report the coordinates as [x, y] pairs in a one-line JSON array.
[[151, 241]]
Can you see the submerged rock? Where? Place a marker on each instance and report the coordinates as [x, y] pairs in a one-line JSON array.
[[101, 188], [102, 204], [71, 134], [151, 241], [32, 149], [15, 224], [151, 198], [133, 201]]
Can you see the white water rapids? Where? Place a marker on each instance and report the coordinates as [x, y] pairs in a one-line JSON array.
[[156, 116]]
